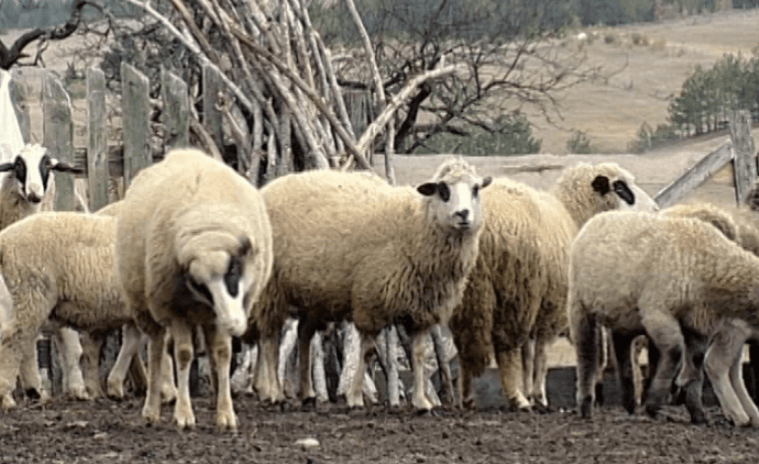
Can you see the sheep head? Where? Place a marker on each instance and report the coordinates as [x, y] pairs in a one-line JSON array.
[[31, 170], [452, 195], [218, 273]]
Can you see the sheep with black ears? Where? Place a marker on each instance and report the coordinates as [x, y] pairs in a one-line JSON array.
[[516, 295], [196, 253], [349, 245], [675, 279]]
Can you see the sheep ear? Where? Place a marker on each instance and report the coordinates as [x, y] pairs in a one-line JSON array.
[[623, 191], [63, 167], [427, 189], [601, 185], [486, 181], [5, 167]]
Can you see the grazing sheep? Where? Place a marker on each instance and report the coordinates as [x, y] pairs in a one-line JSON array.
[[679, 280], [347, 245], [692, 371], [517, 291], [193, 247]]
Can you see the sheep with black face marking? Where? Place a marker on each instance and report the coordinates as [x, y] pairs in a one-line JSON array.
[[675, 279], [517, 291], [197, 253], [347, 245]]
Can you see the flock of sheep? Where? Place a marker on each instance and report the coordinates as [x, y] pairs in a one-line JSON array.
[[193, 248]]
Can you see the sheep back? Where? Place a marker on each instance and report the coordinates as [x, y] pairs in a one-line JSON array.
[[55, 257], [624, 263]]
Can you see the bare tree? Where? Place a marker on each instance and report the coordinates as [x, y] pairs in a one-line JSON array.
[[509, 48], [10, 56]]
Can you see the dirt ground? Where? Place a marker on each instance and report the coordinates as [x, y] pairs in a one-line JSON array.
[[108, 431]]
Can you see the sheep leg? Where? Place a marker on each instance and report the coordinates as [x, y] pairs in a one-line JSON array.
[[319, 374], [419, 399], [538, 395], [528, 366], [691, 378], [510, 371], [355, 397], [466, 392], [30, 374], [724, 351], [219, 348], [131, 340], [183, 355], [584, 332], [665, 333], [736, 379], [444, 368], [622, 344], [306, 331], [351, 353], [91, 345], [70, 348], [151, 412], [14, 350], [267, 384]]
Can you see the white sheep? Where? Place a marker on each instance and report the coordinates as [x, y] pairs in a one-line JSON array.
[[57, 266], [26, 189], [349, 245], [517, 291], [676, 279], [193, 247]]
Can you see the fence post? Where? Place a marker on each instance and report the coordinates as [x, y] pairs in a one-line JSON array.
[[97, 142], [135, 119], [211, 115], [744, 159], [58, 136], [176, 111], [20, 98]]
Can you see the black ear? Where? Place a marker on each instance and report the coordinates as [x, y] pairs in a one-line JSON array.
[[63, 167], [601, 185], [486, 181], [5, 167], [427, 189], [624, 192]]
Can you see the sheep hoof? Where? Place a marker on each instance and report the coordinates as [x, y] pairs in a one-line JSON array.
[[586, 407], [309, 404], [8, 403], [184, 422], [33, 394], [151, 416], [653, 410], [226, 422], [115, 392], [699, 418], [79, 394]]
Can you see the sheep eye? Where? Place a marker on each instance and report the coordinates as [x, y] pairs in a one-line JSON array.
[[233, 275], [202, 289], [444, 191], [476, 191]]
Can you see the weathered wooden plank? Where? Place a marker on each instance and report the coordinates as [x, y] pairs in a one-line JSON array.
[[20, 99], [97, 142], [744, 159], [135, 104], [58, 136], [212, 117], [695, 176], [176, 111]]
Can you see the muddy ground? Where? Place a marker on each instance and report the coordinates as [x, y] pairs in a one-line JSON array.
[[112, 432]]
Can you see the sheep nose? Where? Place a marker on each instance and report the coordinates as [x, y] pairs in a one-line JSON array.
[[33, 198], [463, 214]]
